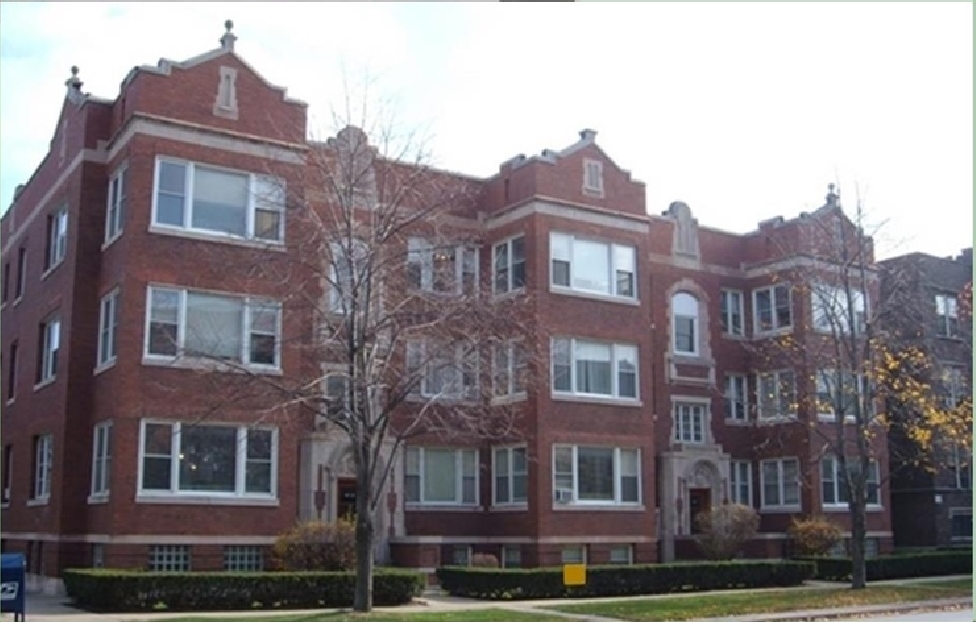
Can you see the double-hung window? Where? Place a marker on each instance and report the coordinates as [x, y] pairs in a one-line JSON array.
[[839, 393], [216, 201], [780, 483], [772, 308], [49, 341], [57, 238], [947, 314], [447, 371], [596, 475], [594, 368], [732, 312], [227, 328], [508, 265], [684, 324], [589, 266], [118, 188], [443, 269], [832, 307], [509, 369], [777, 394], [108, 327], [960, 465], [350, 275], [179, 458], [101, 459], [43, 458], [740, 482], [511, 471], [736, 402], [690, 422], [835, 487], [953, 387], [441, 476]]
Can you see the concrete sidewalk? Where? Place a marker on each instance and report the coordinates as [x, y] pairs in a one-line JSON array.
[[45, 608]]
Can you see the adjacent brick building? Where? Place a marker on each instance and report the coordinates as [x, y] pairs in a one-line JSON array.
[[661, 398], [932, 507]]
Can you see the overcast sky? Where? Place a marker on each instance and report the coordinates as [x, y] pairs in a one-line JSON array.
[[743, 111]]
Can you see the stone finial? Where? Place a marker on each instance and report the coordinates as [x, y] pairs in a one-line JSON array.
[[832, 195], [73, 85], [227, 41]]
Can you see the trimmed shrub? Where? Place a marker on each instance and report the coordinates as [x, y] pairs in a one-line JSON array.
[[725, 529], [901, 566], [125, 591], [316, 545], [521, 584], [484, 560], [813, 536]]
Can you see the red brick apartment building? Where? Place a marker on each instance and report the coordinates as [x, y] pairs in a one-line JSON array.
[[652, 413]]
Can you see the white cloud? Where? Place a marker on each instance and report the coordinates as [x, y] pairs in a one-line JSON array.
[[745, 111]]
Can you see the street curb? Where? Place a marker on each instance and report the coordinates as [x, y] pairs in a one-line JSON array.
[[846, 612]]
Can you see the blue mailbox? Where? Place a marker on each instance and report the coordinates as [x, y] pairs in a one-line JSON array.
[[13, 585]]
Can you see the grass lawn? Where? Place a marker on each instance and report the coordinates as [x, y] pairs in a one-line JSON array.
[[718, 605], [480, 615]]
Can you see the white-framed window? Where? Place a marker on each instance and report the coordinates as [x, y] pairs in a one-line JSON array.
[[511, 475], [834, 486], [772, 308], [780, 483], [575, 554], [831, 306], [169, 558], [596, 475], [461, 555], [511, 556], [508, 265], [207, 199], [594, 368], [509, 366], [947, 315], [593, 177], [777, 394], [118, 187], [189, 459], [684, 324], [443, 269], [102, 459], [740, 482], [242, 558], [690, 422], [961, 467], [108, 327], [961, 524], [349, 276], [736, 400], [732, 312], [57, 238], [8, 463], [50, 341], [224, 327], [446, 371], [589, 266], [43, 459], [622, 554], [953, 386], [839, 392], [441, 476]]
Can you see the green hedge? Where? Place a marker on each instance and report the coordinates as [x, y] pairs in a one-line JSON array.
[[130, 591], [511, 584], [899, 566]]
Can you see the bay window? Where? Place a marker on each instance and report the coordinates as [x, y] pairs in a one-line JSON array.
[[441, 476], [592, 267], [731, 312], [736, 401], [445, 370], [102, 459], [780, 483], [834, 485], [118, 187], [832, 307], [511, 474], [740, 482], [947, 315], [509, 369], [596, 475], [50, 345], [777, 394], [772, 308], [592, 368], [508, 265], [445, 269]]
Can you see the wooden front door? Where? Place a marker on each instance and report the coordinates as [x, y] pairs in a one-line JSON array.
[[346, 498], [699, 500]]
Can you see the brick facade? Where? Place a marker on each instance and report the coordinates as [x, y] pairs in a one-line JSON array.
[[215, 110]]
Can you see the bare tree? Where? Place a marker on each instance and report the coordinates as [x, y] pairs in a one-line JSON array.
[[399, 335]]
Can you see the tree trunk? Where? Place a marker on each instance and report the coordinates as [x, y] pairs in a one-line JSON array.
[[858, 534], [363, 599]]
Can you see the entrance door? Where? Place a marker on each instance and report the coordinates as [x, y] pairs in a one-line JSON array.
[[346, 495], [699, 500]]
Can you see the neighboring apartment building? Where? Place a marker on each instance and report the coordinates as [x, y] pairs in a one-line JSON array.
[[661, 402], [932, 507]]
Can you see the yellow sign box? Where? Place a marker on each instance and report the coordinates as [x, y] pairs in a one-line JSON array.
[[574, 574]]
